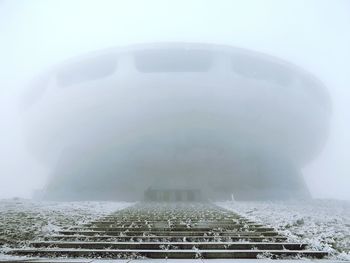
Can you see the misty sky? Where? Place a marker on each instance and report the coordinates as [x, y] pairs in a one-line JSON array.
[[36, 34]]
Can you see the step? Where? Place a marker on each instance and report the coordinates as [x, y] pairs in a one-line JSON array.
[[166, 253], [166, 218], [178, 245], [166, 224], [166, 233], [170, 229], [172, 217], [168, 238]]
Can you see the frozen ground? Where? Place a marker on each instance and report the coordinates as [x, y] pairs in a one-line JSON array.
[[324, 224], [23, 220]]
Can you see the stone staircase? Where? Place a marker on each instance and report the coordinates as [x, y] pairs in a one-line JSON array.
[[169, 230]]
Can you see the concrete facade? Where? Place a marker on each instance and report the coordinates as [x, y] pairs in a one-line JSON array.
[[228, 121]]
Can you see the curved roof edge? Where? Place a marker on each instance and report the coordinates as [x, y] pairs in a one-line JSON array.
[[204, 46]]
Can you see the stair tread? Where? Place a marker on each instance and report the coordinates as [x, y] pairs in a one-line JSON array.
[[167, 250], [178, 243]]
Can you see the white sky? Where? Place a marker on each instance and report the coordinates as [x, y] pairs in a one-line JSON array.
[[312, 34]]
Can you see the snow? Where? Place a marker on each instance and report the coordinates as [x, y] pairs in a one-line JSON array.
[[323, 224], [23, 220]]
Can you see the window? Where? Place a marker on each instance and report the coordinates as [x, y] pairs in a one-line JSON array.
[[173, 60]]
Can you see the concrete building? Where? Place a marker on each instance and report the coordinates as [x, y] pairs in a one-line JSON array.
[[225, 120]]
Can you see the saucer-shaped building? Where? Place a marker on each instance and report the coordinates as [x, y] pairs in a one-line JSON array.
[[231, 122]]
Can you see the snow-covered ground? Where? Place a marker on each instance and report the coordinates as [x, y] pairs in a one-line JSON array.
[[22, 221], [324, 224]]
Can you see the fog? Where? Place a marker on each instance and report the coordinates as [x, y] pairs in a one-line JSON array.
[[36, 35]]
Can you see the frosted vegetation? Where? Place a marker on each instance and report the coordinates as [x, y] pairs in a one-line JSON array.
[[324, 224], [22, 221]]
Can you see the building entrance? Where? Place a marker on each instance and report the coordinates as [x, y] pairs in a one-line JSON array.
[[173, 195]]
